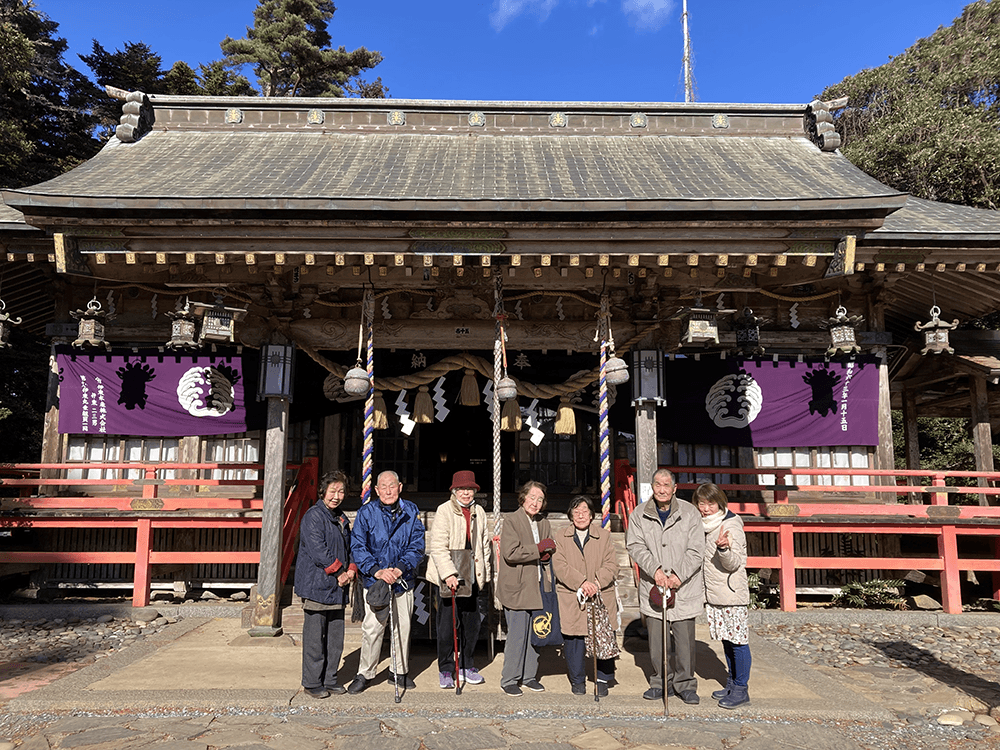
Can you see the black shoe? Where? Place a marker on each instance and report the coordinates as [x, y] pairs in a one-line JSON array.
[[653, 694], [336, 689], [358, 685], [320, 692], [404, 681], [534, 686], [602, 689], [670, 692], [690, 697], [512, 690], [579, 688], [720, 694]]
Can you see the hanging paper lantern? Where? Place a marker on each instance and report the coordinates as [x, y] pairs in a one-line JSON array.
[[506, 389], [356, 381]]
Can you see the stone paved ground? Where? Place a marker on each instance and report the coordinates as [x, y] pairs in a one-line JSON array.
[[890, 664]]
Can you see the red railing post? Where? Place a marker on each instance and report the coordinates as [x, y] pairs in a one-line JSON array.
[[786, 573], [938, 498], [951, 582], [143, 571], [780, 477]]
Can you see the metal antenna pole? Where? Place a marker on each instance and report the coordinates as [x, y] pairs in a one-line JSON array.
[[688, 75]]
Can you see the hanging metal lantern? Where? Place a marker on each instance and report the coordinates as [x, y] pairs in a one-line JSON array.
[[356, 381], [6, 325], [182, 329], [648, 381], [277, 371], [218, 322], [842, 339], [506, 389], [747, 327], [91, 328], [616, 371], [936, 333]]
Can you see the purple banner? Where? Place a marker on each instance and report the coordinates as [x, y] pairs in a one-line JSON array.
[[151, 394], [770, 404]]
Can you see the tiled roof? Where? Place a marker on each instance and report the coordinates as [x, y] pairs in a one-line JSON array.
[[10, 215], [178, 168], [921, 218]]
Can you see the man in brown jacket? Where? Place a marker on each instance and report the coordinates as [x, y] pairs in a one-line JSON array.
[[666, 540]]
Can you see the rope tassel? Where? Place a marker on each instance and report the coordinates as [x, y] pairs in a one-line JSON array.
[[423, 407], [381, 417], [510, 417], [565, 418], [469, 395]]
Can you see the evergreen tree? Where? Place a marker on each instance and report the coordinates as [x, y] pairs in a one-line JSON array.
[[46, 124], [134, 68], [289, 49], [927, 121], [216, 80], [181, 79]]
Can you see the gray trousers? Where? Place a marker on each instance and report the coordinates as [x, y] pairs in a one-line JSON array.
[[682, 669], [520, 660], [322, 646]]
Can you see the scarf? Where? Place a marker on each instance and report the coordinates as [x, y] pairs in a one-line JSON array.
[[713, 522]]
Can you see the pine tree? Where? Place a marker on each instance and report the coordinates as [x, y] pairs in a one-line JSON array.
[[46, 124], [289, 49], [927, 121], [216, 80]]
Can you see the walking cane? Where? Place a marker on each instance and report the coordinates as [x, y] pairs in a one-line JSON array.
[[393, 666], [666, 653], [454, 630], [593, 645]]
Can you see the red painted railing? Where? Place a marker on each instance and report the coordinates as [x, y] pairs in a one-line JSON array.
[[946, 523], [148, 509], [300, 499]]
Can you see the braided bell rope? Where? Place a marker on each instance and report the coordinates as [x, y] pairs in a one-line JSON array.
[[369, 441], [604, 428], [497, 357]]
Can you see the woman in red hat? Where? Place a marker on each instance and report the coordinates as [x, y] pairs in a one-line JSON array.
[[459, 524]]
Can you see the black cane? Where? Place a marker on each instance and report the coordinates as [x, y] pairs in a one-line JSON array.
[[593, 644], [454, 630], [666, 653]]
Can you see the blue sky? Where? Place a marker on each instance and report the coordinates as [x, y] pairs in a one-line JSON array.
[[554, 50]]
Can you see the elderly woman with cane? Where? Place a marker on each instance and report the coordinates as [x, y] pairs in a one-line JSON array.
[[727, 596], [586, 566], [525, 544], [458, 562]]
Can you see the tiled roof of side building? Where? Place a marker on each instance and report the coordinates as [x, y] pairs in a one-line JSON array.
[[920, 217]]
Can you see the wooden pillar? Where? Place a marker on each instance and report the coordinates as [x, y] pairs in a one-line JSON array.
[[645, 449], [910, 437], [331, 458], [267, 607], [884, 454], [51, 439], [982, 437]]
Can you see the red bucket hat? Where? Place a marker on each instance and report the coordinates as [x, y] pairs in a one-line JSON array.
[[462, 479]]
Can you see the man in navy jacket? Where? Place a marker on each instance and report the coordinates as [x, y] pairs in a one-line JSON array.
[[387, 544]]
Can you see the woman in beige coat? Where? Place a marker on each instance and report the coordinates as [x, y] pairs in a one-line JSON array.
[[727, 596], [525, 543], [459, 524], [586, 566]]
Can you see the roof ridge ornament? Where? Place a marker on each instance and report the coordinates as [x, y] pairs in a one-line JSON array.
[[819, 125], [137, 114]]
